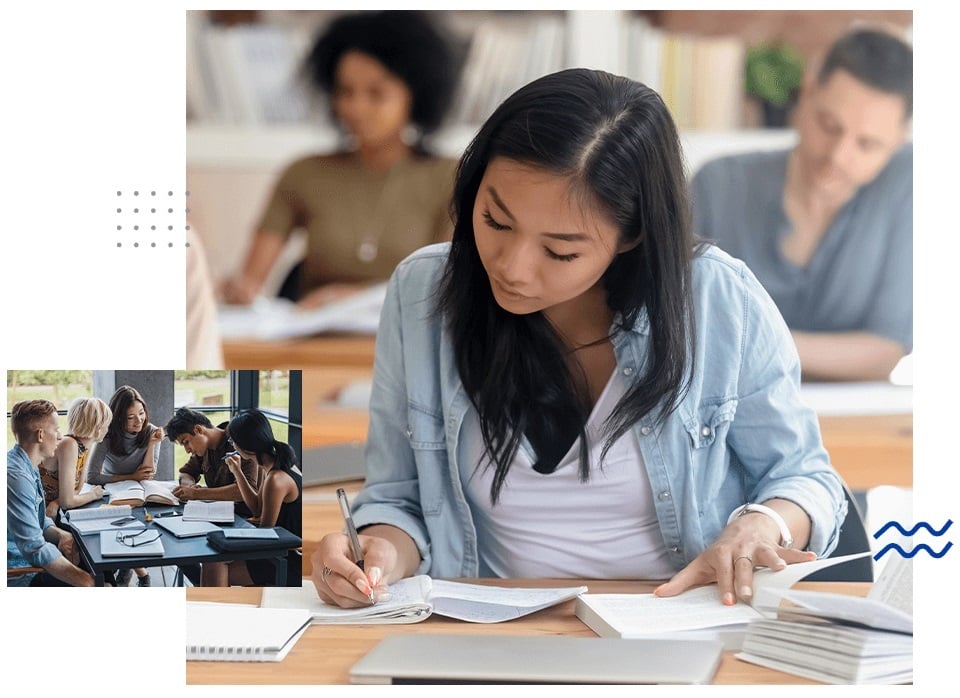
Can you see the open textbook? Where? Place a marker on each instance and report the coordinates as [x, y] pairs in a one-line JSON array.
[[415, 598], [102, 518], [137, 493], [698, 612], [277, 318]]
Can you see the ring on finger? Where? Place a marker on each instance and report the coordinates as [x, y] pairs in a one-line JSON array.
[[743, 557], [324, 572]]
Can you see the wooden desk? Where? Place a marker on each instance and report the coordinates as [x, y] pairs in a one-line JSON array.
[[326, 351], [325, 653]]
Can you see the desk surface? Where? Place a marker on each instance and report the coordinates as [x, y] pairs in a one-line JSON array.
[[325, 653]]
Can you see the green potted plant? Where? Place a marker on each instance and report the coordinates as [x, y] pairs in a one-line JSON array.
[[773, 72]]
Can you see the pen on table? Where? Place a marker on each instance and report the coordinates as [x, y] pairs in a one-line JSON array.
[[351, 532]]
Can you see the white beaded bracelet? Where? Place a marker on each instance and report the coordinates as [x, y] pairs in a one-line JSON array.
[[786, 538]]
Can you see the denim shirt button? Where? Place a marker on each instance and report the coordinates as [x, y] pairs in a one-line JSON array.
[[628, 371], [409, 433], [645, 430], [675, 550], [664, 496], [705, 430]]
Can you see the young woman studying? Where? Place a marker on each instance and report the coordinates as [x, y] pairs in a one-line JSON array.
[[574, 387], [130, 451], [64, 475], [278, 502], [389, 78]]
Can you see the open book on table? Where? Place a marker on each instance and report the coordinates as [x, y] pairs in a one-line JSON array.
[[698, 612], [216, 512], [102, 518], [137, 493], [275, 318], [415, 598]]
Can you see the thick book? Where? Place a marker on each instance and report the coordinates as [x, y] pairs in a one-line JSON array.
[[143, 543], [137, 493], [697, 613], [215, 512], [840, 639], [414, 599], [222, 632], [102, 518]]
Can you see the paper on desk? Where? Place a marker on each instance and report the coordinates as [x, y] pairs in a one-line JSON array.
[[276, 318]]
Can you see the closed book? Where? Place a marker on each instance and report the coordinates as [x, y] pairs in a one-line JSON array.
[[185, 529]]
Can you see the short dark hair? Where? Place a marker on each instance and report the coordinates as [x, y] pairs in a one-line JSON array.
[[876, 58], [183, 422], [410, 45], [616, 141], [26, 416]]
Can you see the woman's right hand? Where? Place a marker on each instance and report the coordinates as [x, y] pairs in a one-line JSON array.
[[98, 491], [340, 582]]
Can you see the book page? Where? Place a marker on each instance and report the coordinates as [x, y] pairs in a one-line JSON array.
[[407, 603], [637, 615], [480, 603], [124, 489], [104, 511], [770, 586], [160, 489], [894, 586], [197, 510]]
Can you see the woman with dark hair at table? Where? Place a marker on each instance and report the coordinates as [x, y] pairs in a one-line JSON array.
[[389, 78], [276, 503]]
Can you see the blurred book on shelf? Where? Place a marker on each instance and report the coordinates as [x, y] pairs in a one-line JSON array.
[[699, 77]]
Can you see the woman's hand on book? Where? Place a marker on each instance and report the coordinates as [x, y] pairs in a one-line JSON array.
[[746, 543]]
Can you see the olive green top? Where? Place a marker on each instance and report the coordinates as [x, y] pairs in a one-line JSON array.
[[359, 223]]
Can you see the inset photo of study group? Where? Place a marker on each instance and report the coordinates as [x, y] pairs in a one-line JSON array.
[[153, 478]]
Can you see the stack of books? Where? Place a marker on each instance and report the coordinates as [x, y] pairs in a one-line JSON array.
[[839, 639]]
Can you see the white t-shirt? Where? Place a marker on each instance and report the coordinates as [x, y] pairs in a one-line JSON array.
[[553, 525]]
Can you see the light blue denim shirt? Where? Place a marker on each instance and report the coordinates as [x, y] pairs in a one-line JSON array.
[[741, 433], [26, 517]]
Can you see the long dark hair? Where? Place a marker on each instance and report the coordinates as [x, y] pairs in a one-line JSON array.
[[250, 431], [122, 400], [614, 138]]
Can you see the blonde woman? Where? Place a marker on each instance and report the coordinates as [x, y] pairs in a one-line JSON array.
[[63, 474]]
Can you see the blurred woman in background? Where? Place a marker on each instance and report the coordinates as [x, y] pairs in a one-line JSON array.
[[390, 78]]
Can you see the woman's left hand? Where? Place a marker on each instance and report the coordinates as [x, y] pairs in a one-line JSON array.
[[747, 542]]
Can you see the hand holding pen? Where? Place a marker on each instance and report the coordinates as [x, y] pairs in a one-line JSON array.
[[339, 567]]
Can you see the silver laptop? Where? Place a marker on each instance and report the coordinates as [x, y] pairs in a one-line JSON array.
[[432, 659], [323, 465]]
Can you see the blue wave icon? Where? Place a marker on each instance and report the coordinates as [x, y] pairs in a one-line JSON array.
[[911, 553], [917, 527], [922, 546]]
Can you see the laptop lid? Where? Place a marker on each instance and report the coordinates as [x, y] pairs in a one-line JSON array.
[[323, 465], [430, 659]]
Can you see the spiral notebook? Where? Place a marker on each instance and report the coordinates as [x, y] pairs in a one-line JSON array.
[[223, 632]]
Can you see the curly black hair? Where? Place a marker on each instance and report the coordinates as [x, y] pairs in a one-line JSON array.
[[409, 43]]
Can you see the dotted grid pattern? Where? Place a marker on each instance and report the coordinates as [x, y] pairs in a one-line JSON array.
[[149, 212]]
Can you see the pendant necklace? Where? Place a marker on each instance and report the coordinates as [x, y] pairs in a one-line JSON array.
[[369, 245]]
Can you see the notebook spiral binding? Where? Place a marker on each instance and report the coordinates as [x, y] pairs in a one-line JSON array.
[[225, 654]]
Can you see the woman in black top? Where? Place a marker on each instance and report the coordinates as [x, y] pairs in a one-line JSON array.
[[276, 503]]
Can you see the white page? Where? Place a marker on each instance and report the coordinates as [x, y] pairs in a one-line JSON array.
[[894, 586], [256, 533], [102, 512], [407, 603], [491, 604], [636, 615]]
